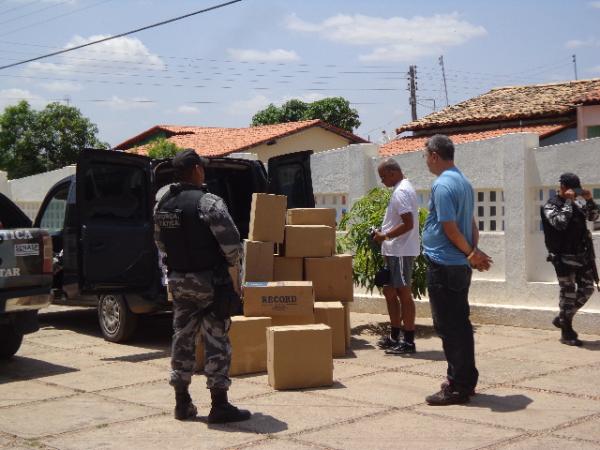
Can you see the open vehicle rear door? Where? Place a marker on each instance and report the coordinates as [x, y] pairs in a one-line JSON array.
[[290, 175], [114, 208]]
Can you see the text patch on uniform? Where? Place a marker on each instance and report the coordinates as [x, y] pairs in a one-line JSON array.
[[32, 249], [168, 219]]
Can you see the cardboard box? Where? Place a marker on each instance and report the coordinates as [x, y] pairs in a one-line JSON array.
[[288, 269], [258, 261], [331, 277], [311, 216], [267, 217], [248, 345], [309, 241], [278, 298], [347, 324], [299, 356], [333, 315], [279, 321]]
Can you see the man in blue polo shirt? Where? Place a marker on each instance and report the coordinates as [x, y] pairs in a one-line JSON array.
[[450, 239]]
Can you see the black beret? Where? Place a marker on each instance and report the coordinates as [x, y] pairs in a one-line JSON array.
[[570, 180], [188, 158]]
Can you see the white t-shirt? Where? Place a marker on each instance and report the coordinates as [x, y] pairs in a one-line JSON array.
[[404, 200]]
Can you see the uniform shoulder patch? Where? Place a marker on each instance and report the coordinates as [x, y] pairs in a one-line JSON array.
[[168, 219]]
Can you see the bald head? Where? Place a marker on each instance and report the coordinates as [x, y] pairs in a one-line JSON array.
[[390, 172]]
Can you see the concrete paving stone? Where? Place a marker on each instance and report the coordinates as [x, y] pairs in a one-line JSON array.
[[5, 441], [67, 340], [343, 370], [158, 433], [589, 430], [58, 416], [507, 331], [108, 375], [160, 394], [23, 367], [554, 351], [486, 342], [17, 392], [110, 351], [281, 443], [34, 348], [493, 369], [581, 381], [286, 412], [547, 443], [518, 409], [403, 429], [395, 389]]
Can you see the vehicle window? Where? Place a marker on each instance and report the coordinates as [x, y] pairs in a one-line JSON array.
[[290, 181], [53, 217], [115, 192]]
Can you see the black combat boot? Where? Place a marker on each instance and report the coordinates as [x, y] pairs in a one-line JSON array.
[[184, 408], [568, 336], [222, 411]]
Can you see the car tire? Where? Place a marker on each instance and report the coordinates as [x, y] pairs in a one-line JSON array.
[[117, 322], [10, 341]]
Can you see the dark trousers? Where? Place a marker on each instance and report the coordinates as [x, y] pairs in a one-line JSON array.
[[448, 288]]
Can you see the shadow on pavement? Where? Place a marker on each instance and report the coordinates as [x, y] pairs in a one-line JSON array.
[[383, 329], [500, 403], [259, 423], [19, 368]]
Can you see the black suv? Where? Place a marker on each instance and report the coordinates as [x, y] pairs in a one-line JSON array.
[[100, 220]]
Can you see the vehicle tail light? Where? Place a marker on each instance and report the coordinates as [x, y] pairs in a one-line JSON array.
[[47, 254]]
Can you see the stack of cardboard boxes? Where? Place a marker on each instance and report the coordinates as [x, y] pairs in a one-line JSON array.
[[298, 289]]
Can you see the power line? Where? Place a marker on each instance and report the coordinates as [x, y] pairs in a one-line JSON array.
[[127, 33], [18, 7], [53, 5]]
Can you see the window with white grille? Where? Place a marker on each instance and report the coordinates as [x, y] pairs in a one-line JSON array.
[[489, 210]]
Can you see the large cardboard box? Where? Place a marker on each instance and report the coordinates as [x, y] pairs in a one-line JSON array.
[[248, 345], [278, 298], [288, 269], [299, 356], [333, 315], [331, 277], [311, 216], [258, 261], [267, 217], [279, 321], [309, 241]]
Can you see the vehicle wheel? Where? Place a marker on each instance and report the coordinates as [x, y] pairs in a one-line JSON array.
[[117, 322], [10, 341]]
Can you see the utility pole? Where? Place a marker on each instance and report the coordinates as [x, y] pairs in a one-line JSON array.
[[575, 64], [441, 61], [412, 77]]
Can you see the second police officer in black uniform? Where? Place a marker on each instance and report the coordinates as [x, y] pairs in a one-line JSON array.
[[197, 234]]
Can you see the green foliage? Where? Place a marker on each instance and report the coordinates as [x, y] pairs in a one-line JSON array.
[[36, 141], [368, 213], [333, 110], [161, 148]]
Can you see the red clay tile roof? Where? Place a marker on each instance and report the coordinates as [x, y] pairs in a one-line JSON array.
[[414, 143], [213, 141], [591, 98], [509, 103]]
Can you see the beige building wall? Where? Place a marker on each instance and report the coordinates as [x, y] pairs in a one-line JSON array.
[[587, 116], [317, 139]]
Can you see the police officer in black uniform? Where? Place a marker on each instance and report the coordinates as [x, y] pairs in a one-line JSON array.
[[197, 234], [571, 250]]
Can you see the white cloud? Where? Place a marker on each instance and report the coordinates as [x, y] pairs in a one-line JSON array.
[[126, 53], [248, 106], [14, 96], [577, 43], [124, 104], [594, 4], [62, 86], [276, 55], [395, 38], [186, 109]]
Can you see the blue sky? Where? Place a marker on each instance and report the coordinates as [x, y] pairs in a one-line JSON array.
[[219, 68]]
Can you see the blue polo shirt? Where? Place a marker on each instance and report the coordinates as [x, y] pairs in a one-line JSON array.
[[452, 199]]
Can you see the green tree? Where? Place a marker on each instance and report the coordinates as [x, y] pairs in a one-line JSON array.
[[333, 110], [365, 214], [161, 148], [36, 141]]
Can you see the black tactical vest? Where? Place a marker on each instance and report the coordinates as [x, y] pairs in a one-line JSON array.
[[190, 244], [571, 240]]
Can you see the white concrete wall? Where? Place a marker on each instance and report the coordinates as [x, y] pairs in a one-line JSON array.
[[515, 167]]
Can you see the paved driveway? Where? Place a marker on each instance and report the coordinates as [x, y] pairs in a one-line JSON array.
[[69, 389]]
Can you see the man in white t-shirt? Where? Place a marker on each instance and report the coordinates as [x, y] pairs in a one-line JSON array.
[[399, 238]]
